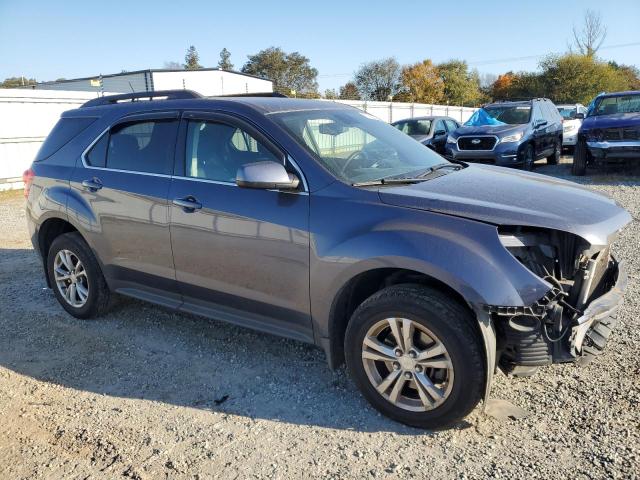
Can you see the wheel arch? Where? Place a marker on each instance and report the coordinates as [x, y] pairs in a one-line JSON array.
[[48, 231], [366, 283]]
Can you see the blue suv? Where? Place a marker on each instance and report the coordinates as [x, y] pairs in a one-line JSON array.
[[611, 131], [509, 134]]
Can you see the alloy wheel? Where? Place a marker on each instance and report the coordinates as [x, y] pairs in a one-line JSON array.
[[407, 364], [71, 278]]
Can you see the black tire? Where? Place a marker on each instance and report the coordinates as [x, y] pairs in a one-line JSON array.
[[528, 158], [554, 158], [450, 322], [98, 298], [579, 167]]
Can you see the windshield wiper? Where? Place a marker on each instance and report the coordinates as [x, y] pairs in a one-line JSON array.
[[388, 181], [408, 180], [440, 166]]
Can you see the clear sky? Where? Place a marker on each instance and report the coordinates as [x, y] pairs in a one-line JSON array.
[[52, 39]]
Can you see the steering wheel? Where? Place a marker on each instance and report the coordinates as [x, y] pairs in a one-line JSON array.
[[355, 155]]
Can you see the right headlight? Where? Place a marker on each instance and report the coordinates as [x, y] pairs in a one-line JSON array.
[[516, 137], [450, 139]]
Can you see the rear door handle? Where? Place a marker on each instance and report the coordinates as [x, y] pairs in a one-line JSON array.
[[92, 185], [188, 204]]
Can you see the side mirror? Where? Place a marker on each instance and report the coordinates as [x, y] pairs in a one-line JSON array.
[[266, 175], [579, 116], [439, 133], [539, 123]]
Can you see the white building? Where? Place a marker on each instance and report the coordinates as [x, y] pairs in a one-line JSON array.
[[206, 81]]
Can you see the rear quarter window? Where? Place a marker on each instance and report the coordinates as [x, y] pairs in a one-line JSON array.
[[63, 132]]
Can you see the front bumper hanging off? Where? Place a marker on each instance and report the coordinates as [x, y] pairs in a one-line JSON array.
[[590, 335]]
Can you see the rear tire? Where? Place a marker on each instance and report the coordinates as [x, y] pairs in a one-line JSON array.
[[579, 166], [428, 389], [76, 278], [554, 158]]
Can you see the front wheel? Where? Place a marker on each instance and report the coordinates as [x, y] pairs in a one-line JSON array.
[[528, 157], [76, 278], [579, 166], [415, 356]]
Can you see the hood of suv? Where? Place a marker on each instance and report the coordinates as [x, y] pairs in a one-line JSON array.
[[611, 121], [502, 196], [498, 130]]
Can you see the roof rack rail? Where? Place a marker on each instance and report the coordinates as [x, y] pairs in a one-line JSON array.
[[166, 94], [257, 94]]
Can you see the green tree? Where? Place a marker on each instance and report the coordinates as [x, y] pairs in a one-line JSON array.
[[225, 63], [16, 82], [379, 80], [290, 72], [461, 86], [330, 94], [630, 74], [422, 83], [349, 91], [579, 78], [191, 59]]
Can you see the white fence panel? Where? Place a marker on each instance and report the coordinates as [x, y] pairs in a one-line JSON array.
[[394, 111], [26, 118]]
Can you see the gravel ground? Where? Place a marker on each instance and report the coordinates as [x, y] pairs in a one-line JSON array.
[[147, 393]]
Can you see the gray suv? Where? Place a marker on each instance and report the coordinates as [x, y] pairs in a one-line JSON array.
[[315, 221]]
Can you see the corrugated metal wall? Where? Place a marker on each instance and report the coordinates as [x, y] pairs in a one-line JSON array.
[[133, 82]]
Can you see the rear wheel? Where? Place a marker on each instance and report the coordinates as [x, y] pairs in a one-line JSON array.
[[579, 166], [554, 158], [415, 356], [76, 277], [528, 158]]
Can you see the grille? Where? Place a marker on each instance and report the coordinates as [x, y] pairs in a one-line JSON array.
[[620, 134], [476, 143]]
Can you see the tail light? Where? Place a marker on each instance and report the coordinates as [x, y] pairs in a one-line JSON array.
[[27, 178]]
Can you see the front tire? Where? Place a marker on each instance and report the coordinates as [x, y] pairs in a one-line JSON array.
[[415, 356], [76, 278], [528, 158], [579, 167]]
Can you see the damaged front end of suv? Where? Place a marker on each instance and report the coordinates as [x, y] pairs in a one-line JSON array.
[[573, 320]]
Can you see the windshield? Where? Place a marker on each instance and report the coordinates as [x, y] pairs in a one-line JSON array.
[[355, 146], [509, 114], [621, 104], [568, 113], [414, 127]]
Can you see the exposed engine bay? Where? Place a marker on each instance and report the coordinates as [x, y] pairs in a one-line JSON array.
[[562, 326]]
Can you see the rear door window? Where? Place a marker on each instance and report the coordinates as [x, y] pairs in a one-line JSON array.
[[97, 156], [141, 146], [64, 131], [146, 146]]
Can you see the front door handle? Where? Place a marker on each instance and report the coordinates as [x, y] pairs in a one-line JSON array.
[[188, 204], [92, 185]]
